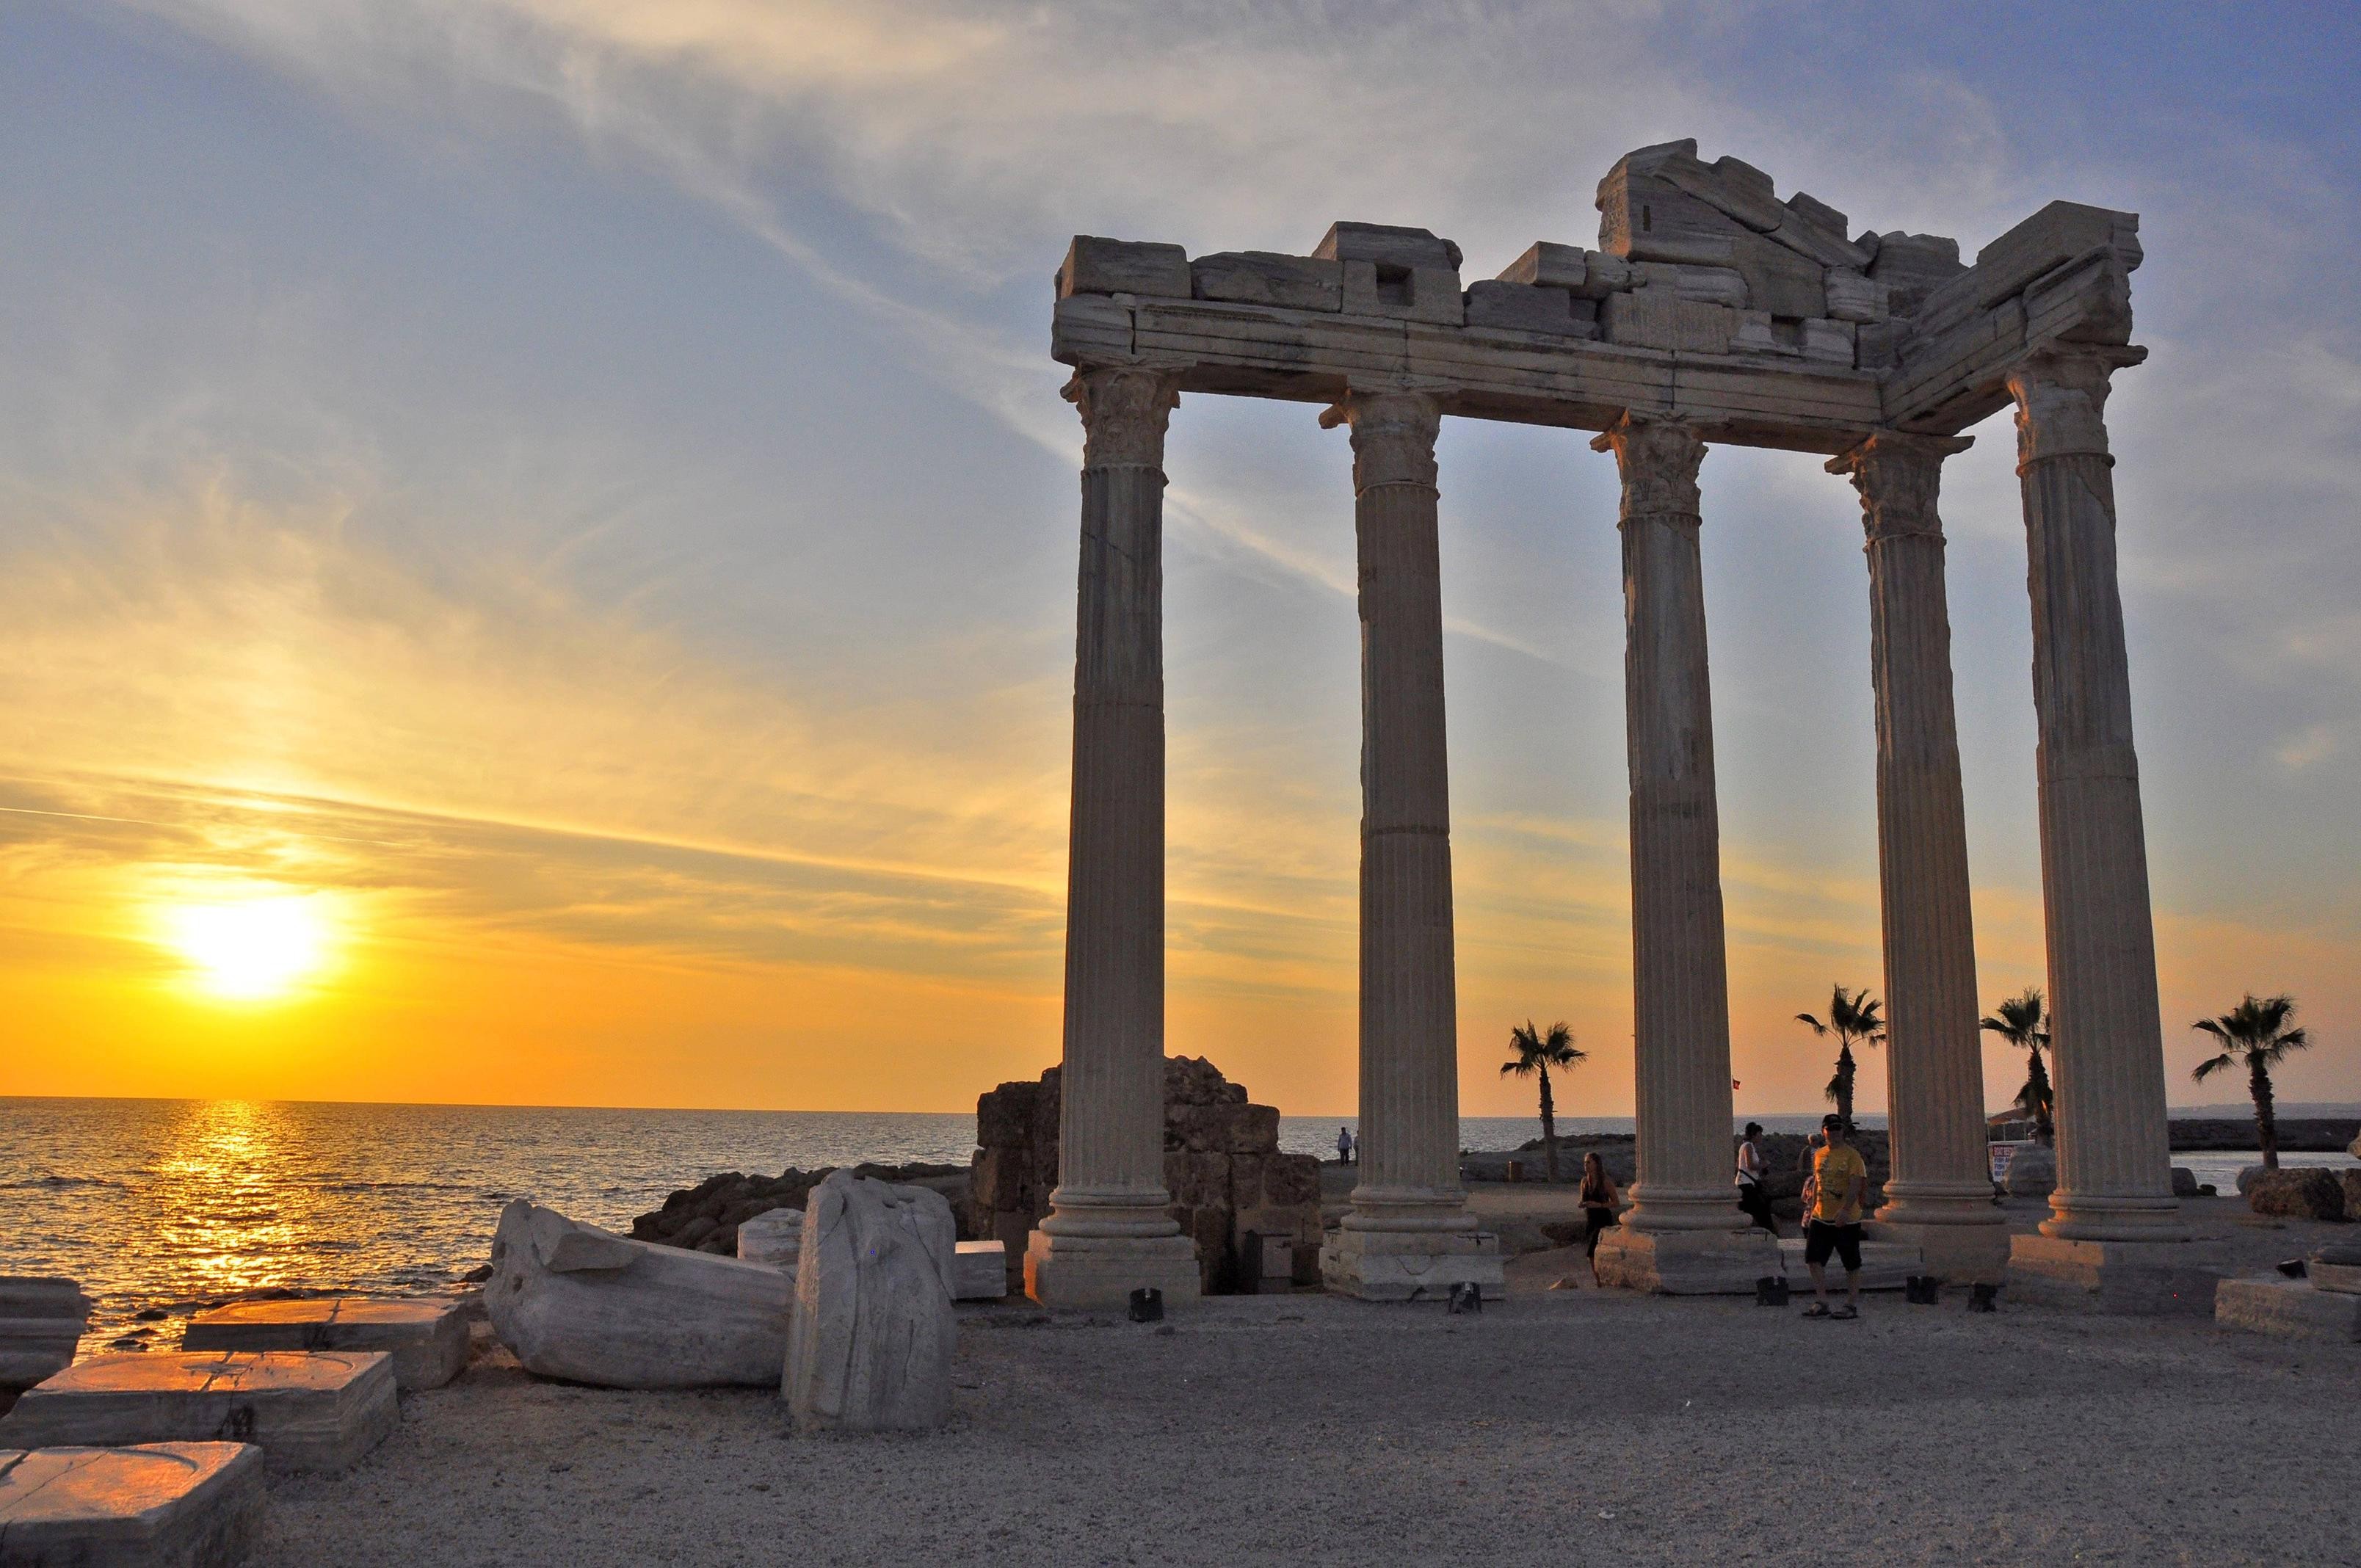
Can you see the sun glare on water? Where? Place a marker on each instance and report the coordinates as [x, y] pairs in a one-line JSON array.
[[250, 950]]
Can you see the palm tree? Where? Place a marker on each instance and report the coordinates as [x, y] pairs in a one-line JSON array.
[[1852, 1016], [2019, 1020], [2258, 1031], [1537, 1053]]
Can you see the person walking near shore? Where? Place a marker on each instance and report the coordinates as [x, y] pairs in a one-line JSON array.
[[1753, 1195], [1344, 1146], [1597, 1199], [1832, 1224]]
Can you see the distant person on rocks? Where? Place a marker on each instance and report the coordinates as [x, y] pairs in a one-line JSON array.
[[1344, 1146], [1753, 1195], [1597, 1199], [1832, 1224]]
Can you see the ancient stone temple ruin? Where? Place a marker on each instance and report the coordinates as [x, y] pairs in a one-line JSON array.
[[1712, 311]]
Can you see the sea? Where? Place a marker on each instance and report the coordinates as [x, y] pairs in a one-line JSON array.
[[159, 1207]]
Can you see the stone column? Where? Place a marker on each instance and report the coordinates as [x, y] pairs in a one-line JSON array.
[[1685, 1232], [1940, 1198], [2114, 1167], [1107, 1231], [1410, 1233]]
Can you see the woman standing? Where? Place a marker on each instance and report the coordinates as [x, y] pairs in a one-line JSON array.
[[1598, 1199], [1753, 1195]]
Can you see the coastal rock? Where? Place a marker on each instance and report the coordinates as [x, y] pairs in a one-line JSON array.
[[2248, 1175], [41, 1319], [159, 1505], [578, 1303], [870, 1348], [2032, 1172], [2304, 1194]]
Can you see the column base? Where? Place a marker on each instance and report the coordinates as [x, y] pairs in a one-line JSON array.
[[1688, 1262], [1091, 1272], [1411, 1265], [2147, 1278], [2292, 1309], [2092, 1217], [1957, 1254]]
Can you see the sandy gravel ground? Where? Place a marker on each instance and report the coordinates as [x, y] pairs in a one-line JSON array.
[[1559, 1426]]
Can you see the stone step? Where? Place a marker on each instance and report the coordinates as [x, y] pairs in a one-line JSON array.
[[41, 1321], [2292, 1309], [1883, 1265], [426, 1338], [308, 1411], [164, 1505]]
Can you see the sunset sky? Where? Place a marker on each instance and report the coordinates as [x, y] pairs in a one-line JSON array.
[[537, 537]]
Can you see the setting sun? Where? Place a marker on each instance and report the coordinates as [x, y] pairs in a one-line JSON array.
[[253, 948]]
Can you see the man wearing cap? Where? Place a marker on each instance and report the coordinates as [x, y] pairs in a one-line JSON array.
[[1832, 1224]]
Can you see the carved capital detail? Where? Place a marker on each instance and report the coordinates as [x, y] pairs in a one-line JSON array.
[[1897, 476], [1393, 436], [1658, 457], [2061, 403], [1123, 411]]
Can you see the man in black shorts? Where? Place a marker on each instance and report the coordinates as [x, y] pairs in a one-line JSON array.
[[1832, 1224]]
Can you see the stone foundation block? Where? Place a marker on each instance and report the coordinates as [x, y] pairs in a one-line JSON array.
[[1411, 1265], [2139, 1278], [2342, 1279], [1099, 1273], [164, 1505], [980, 1271], [1884, 1265], [428, 1340], [306, 1410], [2292, 1309], [41, 1321], [1688, 1262], [1957, 1254]]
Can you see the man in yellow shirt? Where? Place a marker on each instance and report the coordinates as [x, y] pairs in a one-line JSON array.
[[1832, 1224]]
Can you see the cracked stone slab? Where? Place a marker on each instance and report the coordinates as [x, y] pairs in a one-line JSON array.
[[307, 1410], [165, 1505], [426, 1338]]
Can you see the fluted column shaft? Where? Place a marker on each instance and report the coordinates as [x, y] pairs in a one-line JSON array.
[[1934, 1052], [2115, 1166], [1111, 1119], [1409, 1040], [1680, 982]]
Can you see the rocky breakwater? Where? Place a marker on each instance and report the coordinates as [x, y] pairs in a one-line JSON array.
[[706, 1217], [1222, 1166]]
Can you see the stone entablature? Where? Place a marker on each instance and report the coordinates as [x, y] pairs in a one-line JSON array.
[[1755, 319]]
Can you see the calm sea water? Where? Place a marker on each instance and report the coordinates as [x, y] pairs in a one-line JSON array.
[[161, 1205]]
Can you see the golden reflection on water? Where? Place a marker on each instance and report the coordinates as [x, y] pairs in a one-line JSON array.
[[218, 1204]]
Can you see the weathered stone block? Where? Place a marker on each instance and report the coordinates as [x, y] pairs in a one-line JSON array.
[[427, 1339], [872, 1335], [998, 1175], [307, 1410], [1526, 307], [774, 1239], [1884, 1265], [1290, 1180], [1913, 266], [2308, 1193], [160, 1505], [2058, 233], [1877, 346], [1388, 246], [1548, 265], [1658, 318], [1828, 340], [578, 1303], [1410, 1265], [2291, 1309], [41, 1321], [1789, 286], [1262, 278], [1413, 293], [1094, 266], [1003, 1116], [1854, 298], [2340, 1278], [1683, 249], [1687, 1263], [1707, 285], [1819, 213], [2350, 1181], [2159, 1278], [980, 1271], [1197, 1179]]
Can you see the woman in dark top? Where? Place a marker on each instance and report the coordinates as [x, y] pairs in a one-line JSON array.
[[1598, 1199]]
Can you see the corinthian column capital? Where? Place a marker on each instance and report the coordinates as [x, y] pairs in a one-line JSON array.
[[1123, 411], [1897, 474], [2061, 403], [1658, 458], [1393, 436]]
